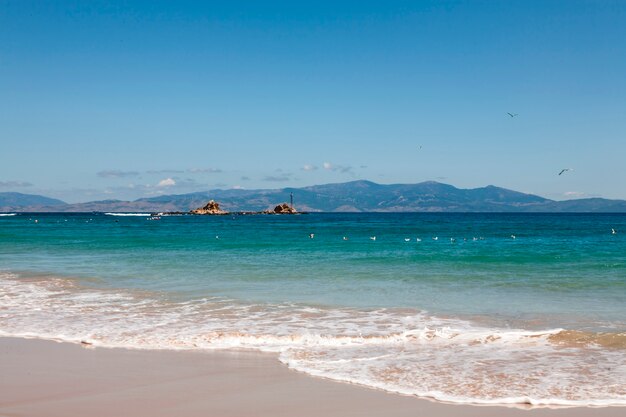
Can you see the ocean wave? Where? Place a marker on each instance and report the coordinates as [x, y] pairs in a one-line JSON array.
[[128, 214], [7, 214], [398, 350]]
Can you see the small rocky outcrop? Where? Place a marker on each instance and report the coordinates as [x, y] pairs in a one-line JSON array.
[[283, 209], [211, 207]]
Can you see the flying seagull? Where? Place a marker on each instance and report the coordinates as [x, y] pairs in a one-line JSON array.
[[512, 114], [565, 170]]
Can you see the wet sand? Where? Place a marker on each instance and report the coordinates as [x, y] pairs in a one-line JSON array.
[[45, 378]]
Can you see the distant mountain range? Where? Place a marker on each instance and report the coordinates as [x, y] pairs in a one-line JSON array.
[[30, 202], [354, 196]]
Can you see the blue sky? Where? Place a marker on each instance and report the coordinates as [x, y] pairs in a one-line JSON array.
[[129, 99]]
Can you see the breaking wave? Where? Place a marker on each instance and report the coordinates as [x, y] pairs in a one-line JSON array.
[[128, 214], [397, 350]]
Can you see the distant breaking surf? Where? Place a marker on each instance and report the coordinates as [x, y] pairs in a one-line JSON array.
[[128, 214]]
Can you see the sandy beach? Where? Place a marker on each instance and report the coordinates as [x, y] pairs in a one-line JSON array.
[[46, 378]]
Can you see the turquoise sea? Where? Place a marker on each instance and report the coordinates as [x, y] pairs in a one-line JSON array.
[[472, 308]]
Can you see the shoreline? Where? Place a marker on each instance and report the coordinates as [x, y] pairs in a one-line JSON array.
[[49, 378]]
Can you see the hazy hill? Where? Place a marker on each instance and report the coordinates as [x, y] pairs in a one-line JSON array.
[[351, 196], [19, 202]]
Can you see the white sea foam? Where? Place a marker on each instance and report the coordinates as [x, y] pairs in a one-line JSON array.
[[128, 214], [7, 214], [398, 350]]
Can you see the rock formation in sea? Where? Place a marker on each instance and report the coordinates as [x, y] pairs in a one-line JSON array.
[[211, 207], [283, 209]]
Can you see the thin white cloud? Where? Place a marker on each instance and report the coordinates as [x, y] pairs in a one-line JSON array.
[[11, 184], [116, 173], [205, 170], [574, 194], [344, 169], [167, 182], [277, 178], [134, 190], [165, 171], [309, 167]]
